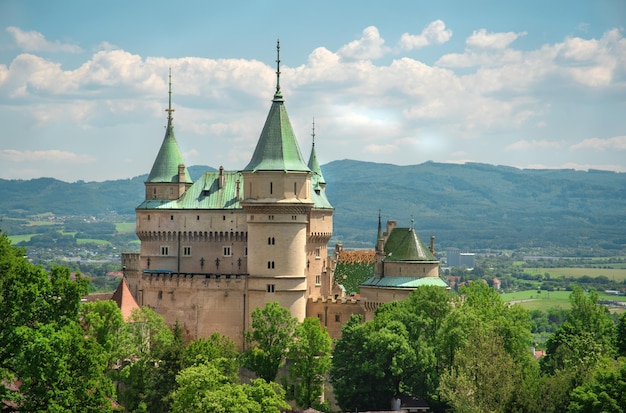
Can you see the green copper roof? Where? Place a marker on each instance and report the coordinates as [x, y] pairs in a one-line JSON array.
[[277, 148], [165, 167], [315, 167], [205, 193], [403, 282], [403, 244]]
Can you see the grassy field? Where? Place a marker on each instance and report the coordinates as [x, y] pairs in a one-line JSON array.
[[125, 227], [92, 241], [532, 300], [19, 238], [616, 274]]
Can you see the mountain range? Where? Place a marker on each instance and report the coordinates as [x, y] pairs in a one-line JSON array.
[[470, 206]]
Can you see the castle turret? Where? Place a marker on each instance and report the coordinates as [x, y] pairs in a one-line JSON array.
[[168, 178], [319, 270], [277, 203]]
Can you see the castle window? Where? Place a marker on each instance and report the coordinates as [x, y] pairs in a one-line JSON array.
[[270, 217], [251, 217], [187, 251], [171, 217], [223, 217], [295, 188], [160, 296], [318, 279], [227, 251], [317, 253], [271, 288], [270, 265], [271, 188], [245, 252], [338, 318], [319, 315], [165, 250], [148, 217], [271, 241], [294, 217], [197, 217]]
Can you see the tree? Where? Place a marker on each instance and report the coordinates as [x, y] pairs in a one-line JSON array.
[[143, 338], [42, 343], [356, 387], [203, 388], [587, 334], [219, 350], [621, 335], [165, 371], [269, 340], [423, 314], [309, 358], [483, 376], [605, 393]]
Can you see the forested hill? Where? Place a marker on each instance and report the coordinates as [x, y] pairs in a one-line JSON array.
[[471, 205]]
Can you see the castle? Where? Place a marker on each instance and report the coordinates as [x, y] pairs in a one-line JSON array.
[[215, 249]]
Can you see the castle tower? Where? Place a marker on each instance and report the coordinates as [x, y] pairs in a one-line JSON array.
[[319, 270], [277, 203], [169, 178]]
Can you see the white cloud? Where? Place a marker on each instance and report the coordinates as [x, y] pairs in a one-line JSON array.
[[617, 143], [33, 41], [56, 156], [483, 40], [533, 145], [434, 33], [369, 47]]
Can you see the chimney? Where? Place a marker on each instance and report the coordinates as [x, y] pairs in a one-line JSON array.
[[432, 244], [222, 178], [181, 173], [237, 183]]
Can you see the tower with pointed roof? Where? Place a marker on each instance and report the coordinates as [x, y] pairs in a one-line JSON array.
[[168, 178], [277, 202]]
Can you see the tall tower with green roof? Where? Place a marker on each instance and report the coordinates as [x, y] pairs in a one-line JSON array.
[[277, 202], [169, 178]]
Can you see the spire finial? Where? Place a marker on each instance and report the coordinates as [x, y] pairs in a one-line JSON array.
[[278, 66], [313, 134], [169, 109], [412, 222]]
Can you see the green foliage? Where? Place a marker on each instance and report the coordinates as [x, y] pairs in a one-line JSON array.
[[219, 350], [42, 342], [354, 381], [483, 376], [586, 335], [309, 358], [203, 388], [353, 274], [269, 340], [605, 393]]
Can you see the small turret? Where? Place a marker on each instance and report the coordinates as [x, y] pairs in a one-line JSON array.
[[168, 178]]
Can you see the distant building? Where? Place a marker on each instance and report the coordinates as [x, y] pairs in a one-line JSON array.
[[456, 258]]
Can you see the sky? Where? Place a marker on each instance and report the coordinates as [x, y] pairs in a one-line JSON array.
[[528, 84]]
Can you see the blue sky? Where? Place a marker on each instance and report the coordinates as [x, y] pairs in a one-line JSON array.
[[532, 84]]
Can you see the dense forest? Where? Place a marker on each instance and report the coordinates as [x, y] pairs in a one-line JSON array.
[[473, 206]]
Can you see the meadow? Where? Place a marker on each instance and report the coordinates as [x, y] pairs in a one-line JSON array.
[[615, 274], [544, 300]]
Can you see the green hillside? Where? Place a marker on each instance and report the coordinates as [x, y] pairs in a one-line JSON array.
[[474, 206]]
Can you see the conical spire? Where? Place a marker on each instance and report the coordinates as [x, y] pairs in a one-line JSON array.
[[165, 167], [277, 148], [314, 165]]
